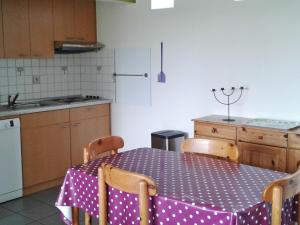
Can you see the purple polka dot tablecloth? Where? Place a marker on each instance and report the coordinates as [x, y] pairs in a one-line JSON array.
[[192, 190]]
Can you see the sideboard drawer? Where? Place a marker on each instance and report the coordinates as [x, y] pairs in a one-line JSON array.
[[260, 136], [263, 156], [294, 141], [214, 130]]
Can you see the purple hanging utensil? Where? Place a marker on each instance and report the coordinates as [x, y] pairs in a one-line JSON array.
[[161, 75]]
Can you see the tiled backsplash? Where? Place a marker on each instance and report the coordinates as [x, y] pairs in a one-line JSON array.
[[86, 74]]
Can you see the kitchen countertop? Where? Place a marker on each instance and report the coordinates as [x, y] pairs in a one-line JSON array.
[[4, 112]]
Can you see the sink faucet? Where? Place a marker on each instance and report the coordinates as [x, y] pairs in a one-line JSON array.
[[12, 102]]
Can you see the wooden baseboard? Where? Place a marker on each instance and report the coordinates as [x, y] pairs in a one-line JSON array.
[[42, 186]]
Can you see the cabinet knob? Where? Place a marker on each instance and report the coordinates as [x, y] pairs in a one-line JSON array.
[[214, 130], [244, 129], [273, 163], [260, 137]]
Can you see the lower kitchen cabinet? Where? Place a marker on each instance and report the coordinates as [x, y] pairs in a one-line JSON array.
[[45, 153], [53, 141], [263, 156], [83, 131]]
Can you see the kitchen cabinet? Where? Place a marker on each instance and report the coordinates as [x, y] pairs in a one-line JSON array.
[[87, 124], [263, 156], [45, 147], [75, 20], [85, 20], [53, 141], [1, 32], [16, 28], [258, 146], [41, 28], [83, 132], [64, 20]]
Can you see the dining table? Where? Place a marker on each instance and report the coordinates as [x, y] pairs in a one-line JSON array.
[[192, 189]]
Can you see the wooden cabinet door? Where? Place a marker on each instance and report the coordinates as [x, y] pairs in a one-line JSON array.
[[41, 28], [45, 153], [293, 160], [1, 33], [263, 156], [64, 20], [83, 132], [85, 20], [16, 28]]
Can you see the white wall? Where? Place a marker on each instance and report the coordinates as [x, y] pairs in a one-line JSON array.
[[208, 44]]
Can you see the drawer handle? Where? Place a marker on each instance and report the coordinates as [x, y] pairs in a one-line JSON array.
[[75, 124], [273, 163], [260, 137], [298, 164], [214, 130]]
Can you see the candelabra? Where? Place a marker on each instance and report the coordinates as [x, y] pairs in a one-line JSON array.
[[228, 103]]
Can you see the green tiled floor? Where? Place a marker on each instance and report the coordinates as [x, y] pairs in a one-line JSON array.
[[32, 209], [36, 209]]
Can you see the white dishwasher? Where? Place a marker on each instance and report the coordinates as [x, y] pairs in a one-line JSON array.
[[10, 160]]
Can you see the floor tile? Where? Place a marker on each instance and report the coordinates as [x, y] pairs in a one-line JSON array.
[[48, 196], [15, 219], [52, 220], [39, 212], [4, 212], [20, 204]]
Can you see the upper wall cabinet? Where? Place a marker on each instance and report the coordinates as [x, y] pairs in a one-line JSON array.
[[85, 20], [75, 20], [1, 33], [16, 28], [64, 20], [41, 28]]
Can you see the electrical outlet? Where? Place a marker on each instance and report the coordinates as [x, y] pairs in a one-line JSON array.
[[36, 79]]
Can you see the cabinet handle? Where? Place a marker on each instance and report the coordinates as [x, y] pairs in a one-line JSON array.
[[75, 124], [244, 129], [298, 164], [273, 163], [214, 130], [22, 55], [64, 126], [260, 137]]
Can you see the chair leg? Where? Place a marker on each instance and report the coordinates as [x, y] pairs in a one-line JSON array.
[[87, 219], [75, 216], [143, 203], [276, 205], [298, 210], [102, 197]]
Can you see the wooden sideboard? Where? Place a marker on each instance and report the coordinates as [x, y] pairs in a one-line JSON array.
[[263, 147]]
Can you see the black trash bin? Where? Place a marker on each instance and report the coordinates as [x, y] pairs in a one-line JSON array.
[[169, 140]]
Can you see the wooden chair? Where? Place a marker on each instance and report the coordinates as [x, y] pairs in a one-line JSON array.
[[280, 190], [126, 181], [216, 148], [106, 145]]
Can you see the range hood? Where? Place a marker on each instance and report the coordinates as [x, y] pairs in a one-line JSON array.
[[76, 47]]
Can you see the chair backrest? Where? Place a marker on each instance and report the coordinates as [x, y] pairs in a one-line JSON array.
[[217, 148], [102, 145], [278, 191], [128, 182]]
